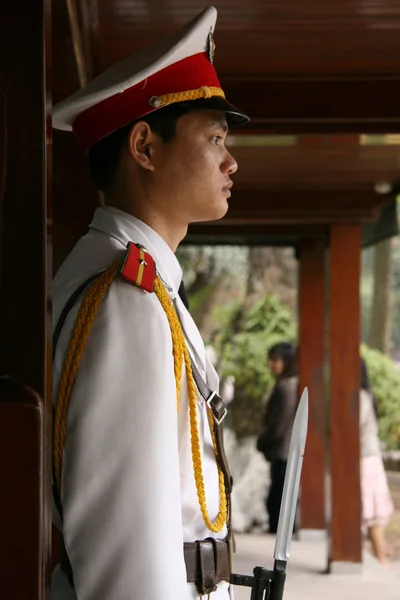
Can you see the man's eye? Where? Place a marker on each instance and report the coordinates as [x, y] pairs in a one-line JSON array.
[[217, 139]]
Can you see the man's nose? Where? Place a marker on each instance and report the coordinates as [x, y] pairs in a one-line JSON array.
[[230, 165]]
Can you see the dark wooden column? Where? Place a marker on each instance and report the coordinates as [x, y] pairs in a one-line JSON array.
[[21, 500], [311, 367], [345, 255], [25, 351]]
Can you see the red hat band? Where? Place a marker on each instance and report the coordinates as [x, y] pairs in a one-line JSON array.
[[174, 83]]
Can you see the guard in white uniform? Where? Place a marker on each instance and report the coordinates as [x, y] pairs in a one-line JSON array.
[[141, 486]]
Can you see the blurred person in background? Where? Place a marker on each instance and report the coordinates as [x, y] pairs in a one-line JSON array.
[[274, 439], [377, 505]]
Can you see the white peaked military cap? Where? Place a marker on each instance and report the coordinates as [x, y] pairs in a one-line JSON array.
[[178, 69]]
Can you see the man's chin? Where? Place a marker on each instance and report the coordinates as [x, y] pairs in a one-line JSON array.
[[214, 214]]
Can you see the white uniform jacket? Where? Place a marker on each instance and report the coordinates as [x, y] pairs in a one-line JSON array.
[[128, 492]]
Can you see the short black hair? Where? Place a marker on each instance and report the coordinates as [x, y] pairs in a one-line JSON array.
[[287, 352], [105, 154]]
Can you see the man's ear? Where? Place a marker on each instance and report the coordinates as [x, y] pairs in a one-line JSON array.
[[141, 145]]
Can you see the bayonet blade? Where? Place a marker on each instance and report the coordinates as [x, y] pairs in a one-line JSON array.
[[292, 481]]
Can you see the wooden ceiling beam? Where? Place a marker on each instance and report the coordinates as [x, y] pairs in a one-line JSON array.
[[316, 200], [255, 231], [298, 105], [304, 207]]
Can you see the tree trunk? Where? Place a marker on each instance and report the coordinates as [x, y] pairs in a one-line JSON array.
[[379, 334], [272, 270]]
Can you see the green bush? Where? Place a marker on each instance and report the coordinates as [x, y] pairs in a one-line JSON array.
[[242, 343], [384, 377]]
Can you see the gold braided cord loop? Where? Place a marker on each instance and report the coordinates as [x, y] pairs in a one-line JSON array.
[[77, 343], [178, 341], [76, 346], [220, 521], [177, 334], [203, 92]]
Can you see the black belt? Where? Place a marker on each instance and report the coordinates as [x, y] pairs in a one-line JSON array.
[[207, 563]]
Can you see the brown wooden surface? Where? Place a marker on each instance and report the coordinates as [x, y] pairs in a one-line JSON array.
[[285, 38], [22, 423], [74, 198], [320, 163], [25, 352], [23, 283], [284, 208], [344, 338], [311, 374], [65, 73], [3, 145], [318, 104], [47, 265], [255, 233]]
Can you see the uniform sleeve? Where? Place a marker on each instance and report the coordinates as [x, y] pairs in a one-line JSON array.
[[120, 483]]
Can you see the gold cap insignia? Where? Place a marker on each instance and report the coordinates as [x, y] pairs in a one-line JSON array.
[[211, 47]]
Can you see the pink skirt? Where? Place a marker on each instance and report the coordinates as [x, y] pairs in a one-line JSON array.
[[377, 505]]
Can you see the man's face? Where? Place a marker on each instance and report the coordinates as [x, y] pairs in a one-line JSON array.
[[192, 171]]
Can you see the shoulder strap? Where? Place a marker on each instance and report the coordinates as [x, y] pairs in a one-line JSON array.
[[137, 268], [68, 307], [219, 412]]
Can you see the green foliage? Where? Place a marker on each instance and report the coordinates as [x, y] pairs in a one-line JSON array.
[[246, 336], [395, 295], [384, 377], [242, 345], [195, 300]]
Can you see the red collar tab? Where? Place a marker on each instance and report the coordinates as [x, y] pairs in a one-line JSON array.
[[139, 268]]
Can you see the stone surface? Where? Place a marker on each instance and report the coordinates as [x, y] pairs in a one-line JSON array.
[[250, 473], [306, 577]]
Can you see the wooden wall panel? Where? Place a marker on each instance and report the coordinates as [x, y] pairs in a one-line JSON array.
[[23, 241], [25, 351], [74, 198]]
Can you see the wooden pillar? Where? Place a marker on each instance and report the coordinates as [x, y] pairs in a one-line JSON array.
[[345, 531], [25, 348], [311, 371]]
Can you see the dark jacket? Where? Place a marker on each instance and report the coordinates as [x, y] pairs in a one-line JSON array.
[[277, 425]]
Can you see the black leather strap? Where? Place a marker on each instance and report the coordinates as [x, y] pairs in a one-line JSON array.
[[65, 563], [218, 410], [207, 579], [71, 302], [183, 295]]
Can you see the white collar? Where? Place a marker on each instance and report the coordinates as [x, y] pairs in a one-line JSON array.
[[125, 228]]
